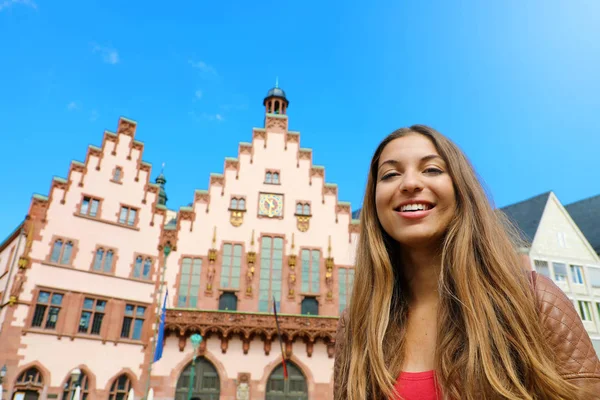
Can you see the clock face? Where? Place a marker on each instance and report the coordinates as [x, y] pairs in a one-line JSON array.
[[270, 205]]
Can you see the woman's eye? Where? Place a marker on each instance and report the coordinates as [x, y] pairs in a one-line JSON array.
[[389, 175], [433, 171]]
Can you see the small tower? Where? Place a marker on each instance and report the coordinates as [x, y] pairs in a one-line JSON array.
[[276, 102], [162, 194]]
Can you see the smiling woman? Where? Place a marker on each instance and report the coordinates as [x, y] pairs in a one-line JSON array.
[[444, 308]]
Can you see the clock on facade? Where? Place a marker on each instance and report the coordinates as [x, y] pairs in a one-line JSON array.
[[270, 205]]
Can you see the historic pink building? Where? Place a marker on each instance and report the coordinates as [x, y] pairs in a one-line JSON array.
[[82, 278]]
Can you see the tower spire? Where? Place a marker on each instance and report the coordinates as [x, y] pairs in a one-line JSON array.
[[276, 82], [161, 181]]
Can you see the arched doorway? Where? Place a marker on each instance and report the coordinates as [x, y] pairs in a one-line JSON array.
[[206, 385], [294, 388]]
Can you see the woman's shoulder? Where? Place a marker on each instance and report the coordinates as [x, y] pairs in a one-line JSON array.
[[564, 330]]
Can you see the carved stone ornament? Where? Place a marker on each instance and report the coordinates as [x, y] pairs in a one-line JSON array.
[[302, 222], [23, 262], [329, 277], [237, 218], [292, 276], [276, 123], [248, 326], [243, 388]]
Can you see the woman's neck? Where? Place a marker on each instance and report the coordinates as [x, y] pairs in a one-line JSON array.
[[422, 271]]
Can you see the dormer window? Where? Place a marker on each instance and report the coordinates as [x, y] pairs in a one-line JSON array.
[[272, 177]]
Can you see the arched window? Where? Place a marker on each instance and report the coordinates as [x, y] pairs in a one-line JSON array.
[[276, 111], [299, 208], [306, 209], [276, 178], [268, 178], [234, 204], [30, 378], [120, 388], [56, 250], [228, 302], [61, 252], [147, 268], [66, 255], [242, 204], [71, 385], [137, 267], [103, 260], [294, 387], [206, 384]]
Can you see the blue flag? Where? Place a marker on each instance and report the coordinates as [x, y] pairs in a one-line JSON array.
[[161, 331]]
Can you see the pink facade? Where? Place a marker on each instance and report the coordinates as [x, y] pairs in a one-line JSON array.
[[81, 279]]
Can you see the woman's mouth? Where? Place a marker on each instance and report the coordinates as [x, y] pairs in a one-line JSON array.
[[414, 210]]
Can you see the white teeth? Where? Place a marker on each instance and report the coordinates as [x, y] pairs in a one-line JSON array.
[[414, 207]]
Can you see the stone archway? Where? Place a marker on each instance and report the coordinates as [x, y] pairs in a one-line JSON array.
[[206, 385], [294, 388]]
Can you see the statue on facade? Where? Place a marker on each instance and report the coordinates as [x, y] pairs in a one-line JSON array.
[[243, 389]]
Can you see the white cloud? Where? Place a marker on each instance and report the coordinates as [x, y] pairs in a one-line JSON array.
[[206, 116], [109, 55], [72, 106], [198, 94], [203, 67], [9, 3]]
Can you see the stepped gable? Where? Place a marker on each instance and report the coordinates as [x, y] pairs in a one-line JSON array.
[[96, 159], [203, 199]]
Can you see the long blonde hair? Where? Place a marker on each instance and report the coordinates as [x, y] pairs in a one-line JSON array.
[[489, 344]]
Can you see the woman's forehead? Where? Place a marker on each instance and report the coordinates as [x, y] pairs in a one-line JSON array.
[[407, 148]]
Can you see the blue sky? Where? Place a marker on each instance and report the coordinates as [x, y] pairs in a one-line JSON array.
[[514, 83]]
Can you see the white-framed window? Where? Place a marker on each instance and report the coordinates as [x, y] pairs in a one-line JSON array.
[[562, 239], [593, 275], [585, 310], [577, 274], [560, 272], [541, 267]]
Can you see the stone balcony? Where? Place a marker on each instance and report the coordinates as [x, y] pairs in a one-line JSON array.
[[246, 327]]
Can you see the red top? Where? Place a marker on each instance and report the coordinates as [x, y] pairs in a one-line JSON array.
[[418, 386]]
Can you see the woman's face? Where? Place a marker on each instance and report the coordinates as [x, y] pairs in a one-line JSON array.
[[414, 194]]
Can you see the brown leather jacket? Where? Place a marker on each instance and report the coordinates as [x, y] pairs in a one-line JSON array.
[[576, 359]]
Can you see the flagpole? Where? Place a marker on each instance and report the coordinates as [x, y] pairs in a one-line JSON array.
[[285, 375], [166, 252]]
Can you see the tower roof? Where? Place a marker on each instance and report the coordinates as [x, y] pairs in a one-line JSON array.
[[276, 92]]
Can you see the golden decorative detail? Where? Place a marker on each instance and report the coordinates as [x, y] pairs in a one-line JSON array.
[[237, 218], [292, 261], [302, 222], [12, 300], [251, 259], [292, 265], [329, 272], [23, 262], [212, 257]]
